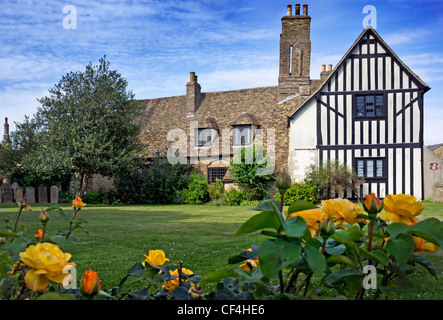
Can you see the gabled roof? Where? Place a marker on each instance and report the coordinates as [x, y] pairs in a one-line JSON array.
[[367, 31], [245, 118]]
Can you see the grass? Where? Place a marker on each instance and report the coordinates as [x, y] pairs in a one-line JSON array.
[[203, 237]]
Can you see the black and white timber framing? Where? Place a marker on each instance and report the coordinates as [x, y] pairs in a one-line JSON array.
[[368, 114]]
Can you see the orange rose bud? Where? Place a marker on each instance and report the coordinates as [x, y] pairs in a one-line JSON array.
[[43, 217], [90, 283], [372, 205]]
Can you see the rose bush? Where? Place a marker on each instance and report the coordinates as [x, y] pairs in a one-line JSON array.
[[311, 252]]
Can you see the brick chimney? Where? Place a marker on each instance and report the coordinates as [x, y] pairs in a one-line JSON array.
[[6, 138], [193, 92], [295, 53]]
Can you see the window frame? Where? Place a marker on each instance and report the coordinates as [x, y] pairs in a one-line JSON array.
[[213, 136], [374, 95], [366, 160], [209, 176], [251, 135]]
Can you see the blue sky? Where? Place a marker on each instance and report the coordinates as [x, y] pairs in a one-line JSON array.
[[230, 44]]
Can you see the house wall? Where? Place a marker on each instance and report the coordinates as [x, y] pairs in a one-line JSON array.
[[433, 176], [396, 137]]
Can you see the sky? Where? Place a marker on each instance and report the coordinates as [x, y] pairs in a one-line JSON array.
[[230, 44]]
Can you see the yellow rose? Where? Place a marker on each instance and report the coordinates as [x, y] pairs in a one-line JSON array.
[[155, 258], [313, 218], [172, 284], [401, 208], [250, 264], [78, 202], [341, 211], [48, 263]]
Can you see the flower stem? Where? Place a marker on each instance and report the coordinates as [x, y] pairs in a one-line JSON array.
[[72, 220], [18, 218], [371, 231], [43, 233]]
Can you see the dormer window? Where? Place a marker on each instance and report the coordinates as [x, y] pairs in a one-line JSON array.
[[204, 137], [242, 135]]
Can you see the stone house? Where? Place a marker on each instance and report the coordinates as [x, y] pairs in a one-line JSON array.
[[367, 112], [207, 128]]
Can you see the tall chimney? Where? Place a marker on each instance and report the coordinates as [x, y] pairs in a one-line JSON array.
[[295, 54], [289, 10], [305, 9], [193, 92], [6, 138]]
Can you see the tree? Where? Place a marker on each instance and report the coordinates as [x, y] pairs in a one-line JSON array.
[[87, 125]]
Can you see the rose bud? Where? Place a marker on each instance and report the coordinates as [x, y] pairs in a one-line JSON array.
[[283, 182], [43, 217], [196, 293], [90, 283], [327, 228], [372, 205]]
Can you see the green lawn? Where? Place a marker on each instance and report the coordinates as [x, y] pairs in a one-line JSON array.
[[203, 237]]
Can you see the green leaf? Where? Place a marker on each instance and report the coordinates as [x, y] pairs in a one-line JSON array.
[[425, 263], [264, 220], [215, 276], [375, 255], [9, 233], [334, 247], [401, 247], [18, 245], [246, 276], [332, 260], [59, 240], [136, 270], [4, 256], [141, 294], [55, 296], [245, 255], [266, 205], [430, 229], [180, 293], [395, 228], [274, 255], [316, 260], [332, 279], [295, 227], [300, 205]]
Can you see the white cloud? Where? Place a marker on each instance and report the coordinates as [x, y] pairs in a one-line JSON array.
[[406, 36]]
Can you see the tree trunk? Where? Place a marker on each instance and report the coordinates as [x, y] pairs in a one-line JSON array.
[[82, 183]]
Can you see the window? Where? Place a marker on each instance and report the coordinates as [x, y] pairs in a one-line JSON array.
[[369, 106], [204, 137], [242, 135], [370, 168], [216, 173]]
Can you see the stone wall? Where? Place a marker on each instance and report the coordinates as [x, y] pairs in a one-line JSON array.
[[433, 176]]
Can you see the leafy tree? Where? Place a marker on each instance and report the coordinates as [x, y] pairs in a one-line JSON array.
[[245, 170], [87, 125]]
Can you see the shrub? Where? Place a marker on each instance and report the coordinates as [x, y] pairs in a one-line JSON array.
[[297, 191], [197, 191], [331, 177], [246, 173], [235, 197], [216, 190], [158, 182], [94, 197]]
